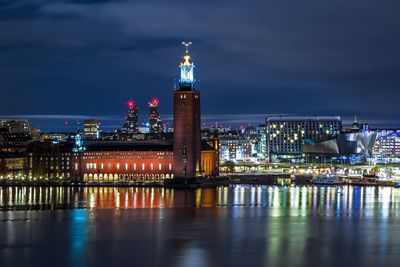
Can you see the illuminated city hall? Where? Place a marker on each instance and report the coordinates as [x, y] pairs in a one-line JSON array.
[[183, 156]]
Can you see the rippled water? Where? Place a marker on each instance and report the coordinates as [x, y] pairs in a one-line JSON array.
[[226, 226]]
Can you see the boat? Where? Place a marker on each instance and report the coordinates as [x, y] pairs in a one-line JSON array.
[[327, 180]]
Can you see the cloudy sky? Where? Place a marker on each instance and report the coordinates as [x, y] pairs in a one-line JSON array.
[[71, 59]]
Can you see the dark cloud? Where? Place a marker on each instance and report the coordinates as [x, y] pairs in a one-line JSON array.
[[298, 57]]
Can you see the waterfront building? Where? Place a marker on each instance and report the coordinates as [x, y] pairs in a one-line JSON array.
[[91, 129], [285, 135], [349, 148], [144, 160], [155, 123], [387, 146], [234, 148], [187, 134]]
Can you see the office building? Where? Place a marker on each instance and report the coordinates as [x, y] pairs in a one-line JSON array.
[[285, 134]]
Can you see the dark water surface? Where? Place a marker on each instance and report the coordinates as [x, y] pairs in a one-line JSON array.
[[226, 226]]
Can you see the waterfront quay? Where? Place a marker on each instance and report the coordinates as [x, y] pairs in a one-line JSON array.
[[279, 179]]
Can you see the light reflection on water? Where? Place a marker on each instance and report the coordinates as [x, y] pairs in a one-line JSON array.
[[225, 226], [281, 201]]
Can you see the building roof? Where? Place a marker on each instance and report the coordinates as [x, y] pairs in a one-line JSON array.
[[127, 146], [303, 118]]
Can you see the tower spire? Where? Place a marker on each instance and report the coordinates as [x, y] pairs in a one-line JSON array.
[[186, 44], [186, 80]]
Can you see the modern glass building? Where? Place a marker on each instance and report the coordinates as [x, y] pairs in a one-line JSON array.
[[285, 135]]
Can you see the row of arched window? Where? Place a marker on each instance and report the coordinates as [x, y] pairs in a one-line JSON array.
[[126, 177]]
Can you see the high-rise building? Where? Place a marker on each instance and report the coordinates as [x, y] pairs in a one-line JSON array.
[[285, 135], [154, 117], [91, 129], [187, 135], [131, 120]]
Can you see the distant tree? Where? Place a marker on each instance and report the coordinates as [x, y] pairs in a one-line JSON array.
[[229, 165]]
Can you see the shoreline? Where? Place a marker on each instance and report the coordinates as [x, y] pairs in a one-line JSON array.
[[269, 180]]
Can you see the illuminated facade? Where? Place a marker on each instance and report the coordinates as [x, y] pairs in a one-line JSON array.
[[234, 148], [131, 120], [387, 147], [155, 123], [285, 135], [134, 161], [108, 161], [187, 134], [91, 129]]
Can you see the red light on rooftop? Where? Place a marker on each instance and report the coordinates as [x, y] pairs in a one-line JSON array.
[[154, 102], [131, 104]]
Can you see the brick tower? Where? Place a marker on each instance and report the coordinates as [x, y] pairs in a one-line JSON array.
[[187, 134]]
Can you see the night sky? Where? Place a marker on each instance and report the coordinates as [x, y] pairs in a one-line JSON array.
[[67, 60]]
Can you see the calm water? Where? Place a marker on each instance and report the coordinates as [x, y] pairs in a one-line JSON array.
[[227, 226]]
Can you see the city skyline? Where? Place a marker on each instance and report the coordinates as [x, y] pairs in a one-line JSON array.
[[199, 133], [343, 63]]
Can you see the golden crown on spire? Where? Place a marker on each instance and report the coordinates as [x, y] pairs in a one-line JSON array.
[[186, 57]]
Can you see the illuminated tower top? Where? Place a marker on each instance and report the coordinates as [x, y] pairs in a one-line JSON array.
[[186, 80], [131, 121]]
